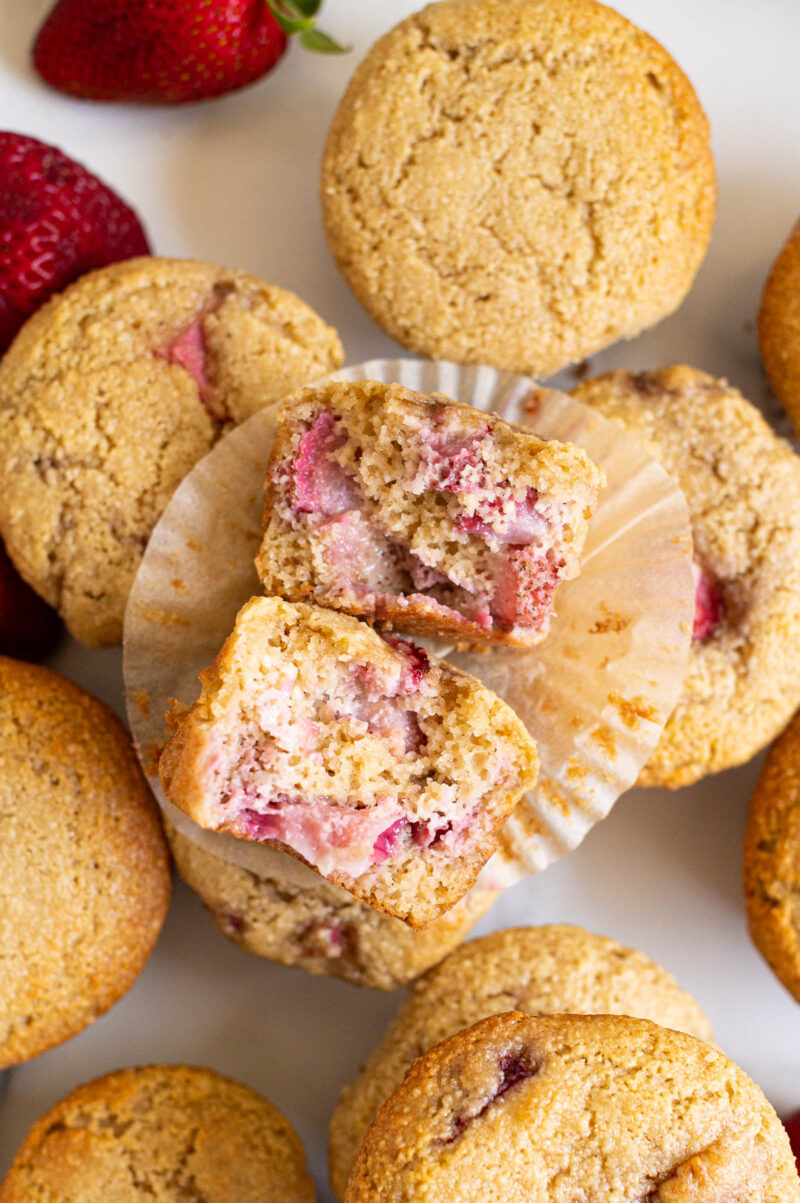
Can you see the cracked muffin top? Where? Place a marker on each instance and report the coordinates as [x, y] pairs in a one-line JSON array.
[[571, 1107], [518, 182], [165, 1133], [111, 393], [742, 486]]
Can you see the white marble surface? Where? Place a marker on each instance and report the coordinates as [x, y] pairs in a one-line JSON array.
[[235, 181]]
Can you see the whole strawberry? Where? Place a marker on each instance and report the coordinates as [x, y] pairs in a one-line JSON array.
[[168, 51], [29, 629], [57, 221], [792, 1126]]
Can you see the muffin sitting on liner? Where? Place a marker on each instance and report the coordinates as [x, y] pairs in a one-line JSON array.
[[422, 513], [387, 771]]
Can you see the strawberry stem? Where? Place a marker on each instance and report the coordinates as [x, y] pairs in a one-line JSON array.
[[299, 17]]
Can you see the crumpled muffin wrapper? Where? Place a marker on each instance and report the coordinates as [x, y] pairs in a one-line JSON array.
[[594, 695]]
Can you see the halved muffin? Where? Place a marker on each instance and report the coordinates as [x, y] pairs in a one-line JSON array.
[[387, 771], [420, 513]]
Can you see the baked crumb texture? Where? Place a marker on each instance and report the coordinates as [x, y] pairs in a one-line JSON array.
[[387, 772], [574, 1107], [742, 486], [85, 874], [421, 513], [319, 928]]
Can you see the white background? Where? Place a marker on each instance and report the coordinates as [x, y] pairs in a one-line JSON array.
[[234, 181]]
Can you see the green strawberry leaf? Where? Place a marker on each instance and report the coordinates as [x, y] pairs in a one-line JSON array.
[[298, 16], [315, 39], [290, 16]]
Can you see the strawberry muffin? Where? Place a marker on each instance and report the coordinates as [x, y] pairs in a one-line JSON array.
[[518, 182], [319, 927], [386, 771], [111, 393], [742, 485], [420, 513], [537, 970], [772, 859], [84, 868], [568, 1107], [171, 1133], [779, 326]]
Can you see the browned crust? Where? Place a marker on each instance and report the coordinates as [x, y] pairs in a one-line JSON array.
[[615, 1108], [779, 326], [275, 918], [97, 430], [75, 795], [545, 970], [509, 284], [177, 764], [416, 614], [204, 1133], [772, 859], [742, 486]]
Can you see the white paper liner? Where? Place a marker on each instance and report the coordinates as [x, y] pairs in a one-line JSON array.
[[595, 695]]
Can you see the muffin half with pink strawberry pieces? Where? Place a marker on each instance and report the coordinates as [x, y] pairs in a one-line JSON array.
[[387, 771], [742, 486], [421, 513]]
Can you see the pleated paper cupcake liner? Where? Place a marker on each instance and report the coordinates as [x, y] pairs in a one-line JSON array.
[[595, 694]]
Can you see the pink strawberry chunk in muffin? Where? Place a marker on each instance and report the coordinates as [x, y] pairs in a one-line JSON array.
[[422, 514], [387, 771], [707, 604]]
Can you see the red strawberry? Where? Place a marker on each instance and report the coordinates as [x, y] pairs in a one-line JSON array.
[[792, 1126], [57, 221], [168, 51], [29, 629]]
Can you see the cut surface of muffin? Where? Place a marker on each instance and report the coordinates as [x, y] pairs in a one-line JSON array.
[[387, 771], [422, 513]]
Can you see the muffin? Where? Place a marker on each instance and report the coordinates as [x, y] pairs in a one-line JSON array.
[[167, 1132], [779, 326], [388, 772], [110, 393], [518, 182], [772, 859], [570, 1107], [421, 513], [84, 867], [536, 970], [319, 927], [742, 486]]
